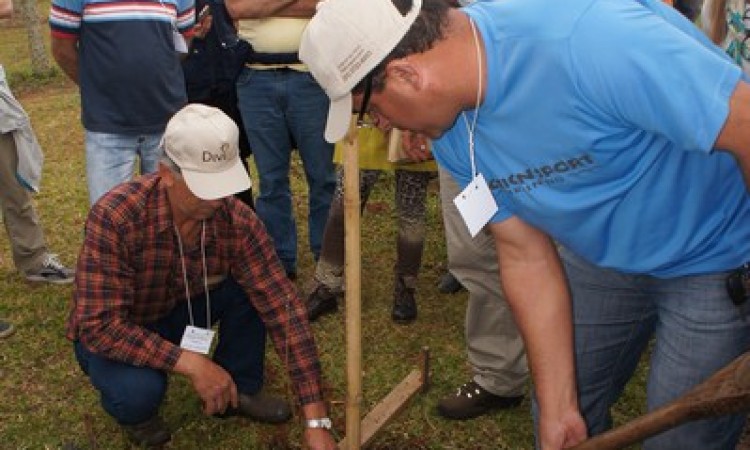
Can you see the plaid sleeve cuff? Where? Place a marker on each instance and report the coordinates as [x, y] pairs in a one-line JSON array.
[[309, 392]]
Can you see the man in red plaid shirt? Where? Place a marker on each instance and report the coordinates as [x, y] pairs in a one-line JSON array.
[[167, 256]]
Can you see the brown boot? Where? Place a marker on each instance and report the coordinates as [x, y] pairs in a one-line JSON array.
[[321, 301], [152, 433], [261, 407], [472, 400]]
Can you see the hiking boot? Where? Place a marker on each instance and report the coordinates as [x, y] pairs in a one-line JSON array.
[[52, 271], [321, 301], [448, 284], [404, 305], [6, 329], [472, 400], [152, 433], [261, 408]]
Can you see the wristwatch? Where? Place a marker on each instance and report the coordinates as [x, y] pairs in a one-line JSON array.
[[323, 422]]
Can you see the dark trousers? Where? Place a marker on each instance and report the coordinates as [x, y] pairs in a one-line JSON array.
[[132, 394]]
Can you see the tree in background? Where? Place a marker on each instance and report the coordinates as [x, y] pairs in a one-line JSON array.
[[29, 12]]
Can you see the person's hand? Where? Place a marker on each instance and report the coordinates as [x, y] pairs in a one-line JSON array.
[[567, 431], [211, 382], [319, 439], [415, 146], [202, 27]]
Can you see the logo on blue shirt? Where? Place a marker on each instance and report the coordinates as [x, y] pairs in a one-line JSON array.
[[534, 177]]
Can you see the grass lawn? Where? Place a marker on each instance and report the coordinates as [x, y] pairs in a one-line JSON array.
[[47, 402]]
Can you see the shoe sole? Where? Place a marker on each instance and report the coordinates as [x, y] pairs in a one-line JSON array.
[[38, 279], [451, 416], [479, 410]]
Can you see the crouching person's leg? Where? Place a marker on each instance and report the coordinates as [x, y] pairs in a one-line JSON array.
[[241, 352], [131, 395]]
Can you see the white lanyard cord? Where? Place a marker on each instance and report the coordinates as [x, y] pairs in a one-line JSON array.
[[472, 127], [205, 275]]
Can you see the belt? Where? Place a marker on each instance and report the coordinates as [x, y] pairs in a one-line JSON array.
[[268, 68], [272, 59]]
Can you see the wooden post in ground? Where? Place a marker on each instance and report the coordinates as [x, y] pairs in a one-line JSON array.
[[416, 381], [352, 273]]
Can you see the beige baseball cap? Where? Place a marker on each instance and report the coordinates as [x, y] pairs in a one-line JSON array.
[[343, 42], [204, 143]]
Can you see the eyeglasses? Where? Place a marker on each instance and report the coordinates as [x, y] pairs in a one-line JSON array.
[[362, 119]]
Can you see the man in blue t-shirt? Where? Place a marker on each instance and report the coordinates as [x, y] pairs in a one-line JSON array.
[[612, 127], [125, 57]]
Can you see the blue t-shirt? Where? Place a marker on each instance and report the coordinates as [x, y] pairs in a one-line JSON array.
[[597, 128], [129, 72]]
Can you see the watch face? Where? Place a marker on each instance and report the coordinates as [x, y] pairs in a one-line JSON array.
[[325, 422]]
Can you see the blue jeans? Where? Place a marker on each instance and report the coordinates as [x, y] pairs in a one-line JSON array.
[[110, 159], [697, 331], [281, 110], [132, 394]]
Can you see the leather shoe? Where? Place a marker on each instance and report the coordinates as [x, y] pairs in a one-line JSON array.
[[404, 305], [152, 433], [321, 301], [472, 400], [261, 407], [448, 284]]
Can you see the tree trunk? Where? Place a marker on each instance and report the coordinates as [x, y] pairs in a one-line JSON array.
[[40, 63]]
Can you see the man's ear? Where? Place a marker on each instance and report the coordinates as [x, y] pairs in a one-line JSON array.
[[166, 175], [404, 72]]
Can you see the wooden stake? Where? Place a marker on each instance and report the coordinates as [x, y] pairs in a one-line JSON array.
[[414, 382], [352, 273], [393, 403]]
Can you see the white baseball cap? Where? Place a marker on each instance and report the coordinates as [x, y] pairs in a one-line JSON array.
[[343, 42], [204, 143]]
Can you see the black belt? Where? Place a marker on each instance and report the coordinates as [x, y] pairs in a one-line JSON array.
[[272, 59]]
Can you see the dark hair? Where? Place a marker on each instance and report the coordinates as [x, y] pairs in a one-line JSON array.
[[427, 29]]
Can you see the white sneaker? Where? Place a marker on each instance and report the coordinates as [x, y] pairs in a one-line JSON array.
[[52, 271]]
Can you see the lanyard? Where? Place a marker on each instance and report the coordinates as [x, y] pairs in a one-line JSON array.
[[471, 127], [205, 275]]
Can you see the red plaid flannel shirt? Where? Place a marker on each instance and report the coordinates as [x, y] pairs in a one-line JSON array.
[[129, 274]]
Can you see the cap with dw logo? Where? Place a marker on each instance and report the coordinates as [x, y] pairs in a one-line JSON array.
[[204, 143]]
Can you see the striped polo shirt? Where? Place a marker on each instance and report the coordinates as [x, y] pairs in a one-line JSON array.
[[129, 71]]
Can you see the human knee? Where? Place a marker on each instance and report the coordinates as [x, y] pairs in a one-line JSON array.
[[134, 399]]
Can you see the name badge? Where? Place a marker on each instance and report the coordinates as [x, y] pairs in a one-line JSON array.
[[476, 204], [197, 339]]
